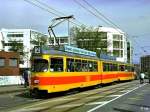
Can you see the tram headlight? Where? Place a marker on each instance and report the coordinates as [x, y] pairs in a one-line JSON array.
[[36, 81]]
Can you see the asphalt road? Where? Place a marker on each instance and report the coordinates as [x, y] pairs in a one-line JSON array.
[[137, 100], [123, 97], [15, 99]]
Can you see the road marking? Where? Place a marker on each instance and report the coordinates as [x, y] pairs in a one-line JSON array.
[[99, 106], [71, 105], [113, 95], [96, 103], [124, 91]]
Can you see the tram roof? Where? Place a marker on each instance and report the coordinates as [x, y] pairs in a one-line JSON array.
[[63, 53]]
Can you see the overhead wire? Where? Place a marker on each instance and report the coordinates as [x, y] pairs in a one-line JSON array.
[[48, 9], [102, 17], [44, 4]]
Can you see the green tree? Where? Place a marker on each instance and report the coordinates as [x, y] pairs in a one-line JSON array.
[[39, 40], [90, 38], [16, 46]]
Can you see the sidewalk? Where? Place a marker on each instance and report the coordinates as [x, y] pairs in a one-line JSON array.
[[12, 88]]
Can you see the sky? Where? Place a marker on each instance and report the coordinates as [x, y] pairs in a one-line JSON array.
[[132, 17]]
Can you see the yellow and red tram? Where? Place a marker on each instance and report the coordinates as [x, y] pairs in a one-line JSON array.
[[56, 71]]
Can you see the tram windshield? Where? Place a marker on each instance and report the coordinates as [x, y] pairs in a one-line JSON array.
[[40, 65]]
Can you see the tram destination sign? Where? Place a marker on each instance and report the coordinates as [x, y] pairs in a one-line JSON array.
[[79, 51]]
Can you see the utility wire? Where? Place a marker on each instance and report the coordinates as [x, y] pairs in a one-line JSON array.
[[102, 15], [99, 16], [108, 21], [101, 19], [45, 9], [44, 4], [34, 4]]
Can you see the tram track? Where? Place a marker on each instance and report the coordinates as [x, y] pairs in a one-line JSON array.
[[81, 98]]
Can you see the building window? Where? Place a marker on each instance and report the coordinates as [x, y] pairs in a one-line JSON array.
[[116, 53], [117, 37], [14, 35], [62, 40], [13, 62], [2, 62], [116, 44]]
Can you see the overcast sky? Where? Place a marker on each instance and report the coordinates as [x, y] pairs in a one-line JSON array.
[[132, 16]]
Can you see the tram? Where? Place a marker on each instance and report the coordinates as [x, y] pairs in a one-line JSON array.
[[69, 68]]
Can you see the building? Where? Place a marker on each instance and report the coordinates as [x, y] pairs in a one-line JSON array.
[[145, 63], [25, 38], [108, 41], [1, 41], [63, 40], [9, 68]]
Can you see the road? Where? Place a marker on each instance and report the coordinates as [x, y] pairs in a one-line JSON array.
[[122, 97]]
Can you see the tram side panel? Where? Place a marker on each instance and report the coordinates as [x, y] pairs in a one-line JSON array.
[[109, 72], [54, 80]]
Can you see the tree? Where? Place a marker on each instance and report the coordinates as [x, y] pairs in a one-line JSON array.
[[16, 46], [90, 38], [39, 40]]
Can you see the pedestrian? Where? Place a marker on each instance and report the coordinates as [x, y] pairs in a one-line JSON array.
[[142, 76], [148, 74], [25, 76]]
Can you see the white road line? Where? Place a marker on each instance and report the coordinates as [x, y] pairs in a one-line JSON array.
[[124, 91], [99, 106], [113, 95], [97, 103]]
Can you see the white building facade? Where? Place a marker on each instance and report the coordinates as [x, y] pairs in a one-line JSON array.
[[106, 41], [118, 44], [22, 36], [1, 41]]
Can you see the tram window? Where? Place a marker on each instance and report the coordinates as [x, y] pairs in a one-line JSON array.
[[115, 67], [78, 66], [111, 67], [95, 68], [56, 64], [70, 65], [84, 66], [131, 69], [105, 67], [122, 68], [39, 65], [128, 68], [91, 65]]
